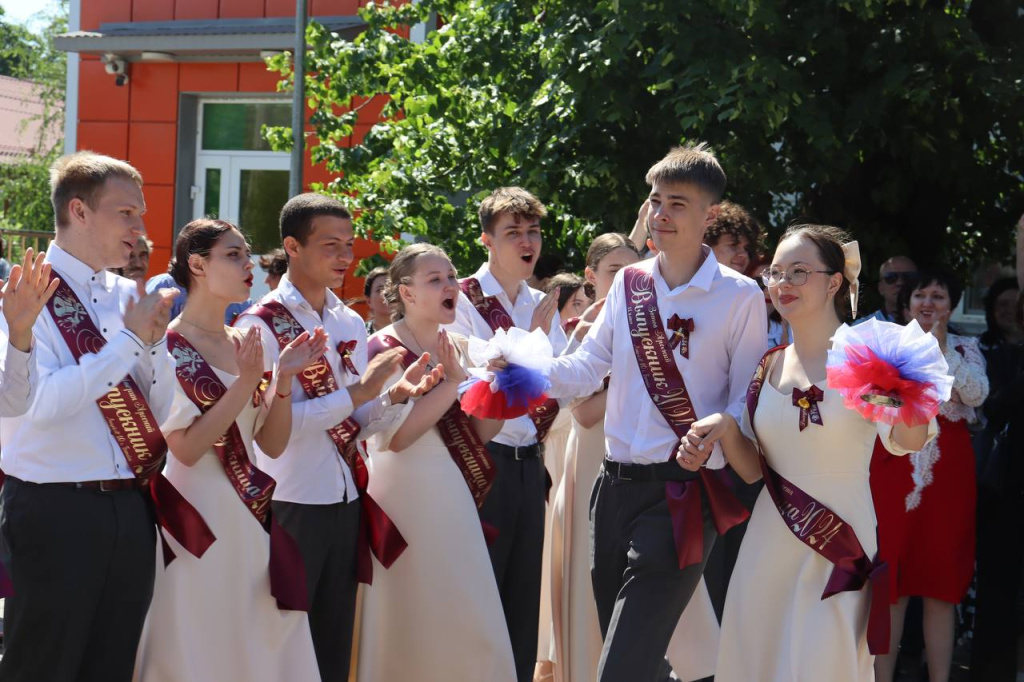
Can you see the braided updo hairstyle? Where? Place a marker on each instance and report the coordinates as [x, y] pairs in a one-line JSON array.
[[401, 271], [198, 237]]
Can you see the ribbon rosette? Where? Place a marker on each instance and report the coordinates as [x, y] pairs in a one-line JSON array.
[[518, 388], [889, 373]]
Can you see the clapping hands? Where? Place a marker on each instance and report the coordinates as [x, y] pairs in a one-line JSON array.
[[27, 290]]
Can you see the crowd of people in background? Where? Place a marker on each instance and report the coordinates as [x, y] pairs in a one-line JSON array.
[[311, 450]]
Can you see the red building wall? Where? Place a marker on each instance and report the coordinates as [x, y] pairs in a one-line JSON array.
[[139, 121]]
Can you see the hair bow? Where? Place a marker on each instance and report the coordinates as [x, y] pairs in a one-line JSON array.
[[851, 271]]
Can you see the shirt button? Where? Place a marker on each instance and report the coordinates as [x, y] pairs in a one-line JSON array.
[[95, 301], [104, 330], [136, 353], [109, 384], [154, 381]]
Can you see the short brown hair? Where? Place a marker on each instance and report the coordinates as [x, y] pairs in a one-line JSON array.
[[298, 213], [515, 201], [80, 176], [693, 163]]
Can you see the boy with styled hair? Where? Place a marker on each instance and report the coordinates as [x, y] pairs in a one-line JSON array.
[[498, 297], [318, 499], [82, 462], [680, 336]]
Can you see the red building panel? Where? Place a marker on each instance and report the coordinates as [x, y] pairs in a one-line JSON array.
[[96, 12], [110, 138], [99, 99], [154, 92], [255, 77], [241, 9], [333, 8], [152, 148], [152, 10], [159, 218], [279, 8], [195, 9], [214, 77]]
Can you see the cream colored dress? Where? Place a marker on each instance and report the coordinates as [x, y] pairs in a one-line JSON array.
[[214, 618], [776, 627], [435, 615], [554, 462]]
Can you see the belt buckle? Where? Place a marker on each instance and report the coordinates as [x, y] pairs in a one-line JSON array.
[[515, 454], [109, 486], [618, 472]]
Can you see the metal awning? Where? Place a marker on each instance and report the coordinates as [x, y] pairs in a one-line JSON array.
[[205, 40]]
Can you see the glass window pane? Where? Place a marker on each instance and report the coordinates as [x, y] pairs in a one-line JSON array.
[[262, 194], [211, 202], [236, 126]]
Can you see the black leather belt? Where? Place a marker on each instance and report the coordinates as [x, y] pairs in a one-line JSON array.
[[517, 453], [112, 485], [662, 471]]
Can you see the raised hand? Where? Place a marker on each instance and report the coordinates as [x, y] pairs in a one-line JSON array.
[[638, 235], [417, 379], [545, 311], [249, 356], [300, 353], [378, 371], [26, 292], [448, 359], [147, 318]]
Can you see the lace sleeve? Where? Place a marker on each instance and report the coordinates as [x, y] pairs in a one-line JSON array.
[[969, 378]]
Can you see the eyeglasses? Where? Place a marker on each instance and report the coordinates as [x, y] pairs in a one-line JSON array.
[[893, 277], [796, 275]]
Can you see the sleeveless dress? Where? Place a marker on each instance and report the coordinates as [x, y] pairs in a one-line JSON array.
[[435, 614], [554, 462], [775, 626], [214, 618]]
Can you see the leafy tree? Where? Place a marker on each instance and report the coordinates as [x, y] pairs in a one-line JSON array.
[[24, 186], [897, 119]]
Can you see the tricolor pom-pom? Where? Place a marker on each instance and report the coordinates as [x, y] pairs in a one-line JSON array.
[[889, 373], [514, 391], [517, 388]]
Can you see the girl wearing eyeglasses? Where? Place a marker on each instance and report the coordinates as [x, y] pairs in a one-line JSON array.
[[816, 508]]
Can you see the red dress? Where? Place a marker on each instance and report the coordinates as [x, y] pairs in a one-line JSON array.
[[925, 502]]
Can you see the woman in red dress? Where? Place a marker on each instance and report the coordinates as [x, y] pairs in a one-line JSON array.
[[935, 555]]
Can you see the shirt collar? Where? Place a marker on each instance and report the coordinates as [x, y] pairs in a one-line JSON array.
[[290, 295], [704, 278], [490, 285], [76, 271]]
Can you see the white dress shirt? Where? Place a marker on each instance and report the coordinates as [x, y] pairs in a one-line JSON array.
[[63, 437], [468, 322], [18, 375], [310, 470], [725, 346]]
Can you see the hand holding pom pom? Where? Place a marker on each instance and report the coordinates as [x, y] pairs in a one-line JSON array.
[[516, 376], [889, 373]]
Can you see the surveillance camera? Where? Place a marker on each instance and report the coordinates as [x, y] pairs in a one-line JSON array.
[[121, 80], [114, 65]]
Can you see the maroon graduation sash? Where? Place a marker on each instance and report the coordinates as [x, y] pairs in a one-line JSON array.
[[665, 385], [825, 532], [377, 532], [464, 445], [496, 317], [134, 427], [254, 488]]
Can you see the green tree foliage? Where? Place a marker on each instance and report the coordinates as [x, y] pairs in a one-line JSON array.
[[24, 186], [901, 120]]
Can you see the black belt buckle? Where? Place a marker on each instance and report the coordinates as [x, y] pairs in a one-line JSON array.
[[615, 469], [515, 452]]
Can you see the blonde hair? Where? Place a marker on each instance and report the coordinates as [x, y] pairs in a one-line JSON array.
[[403, 267], [80, 176], [515, 201]]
